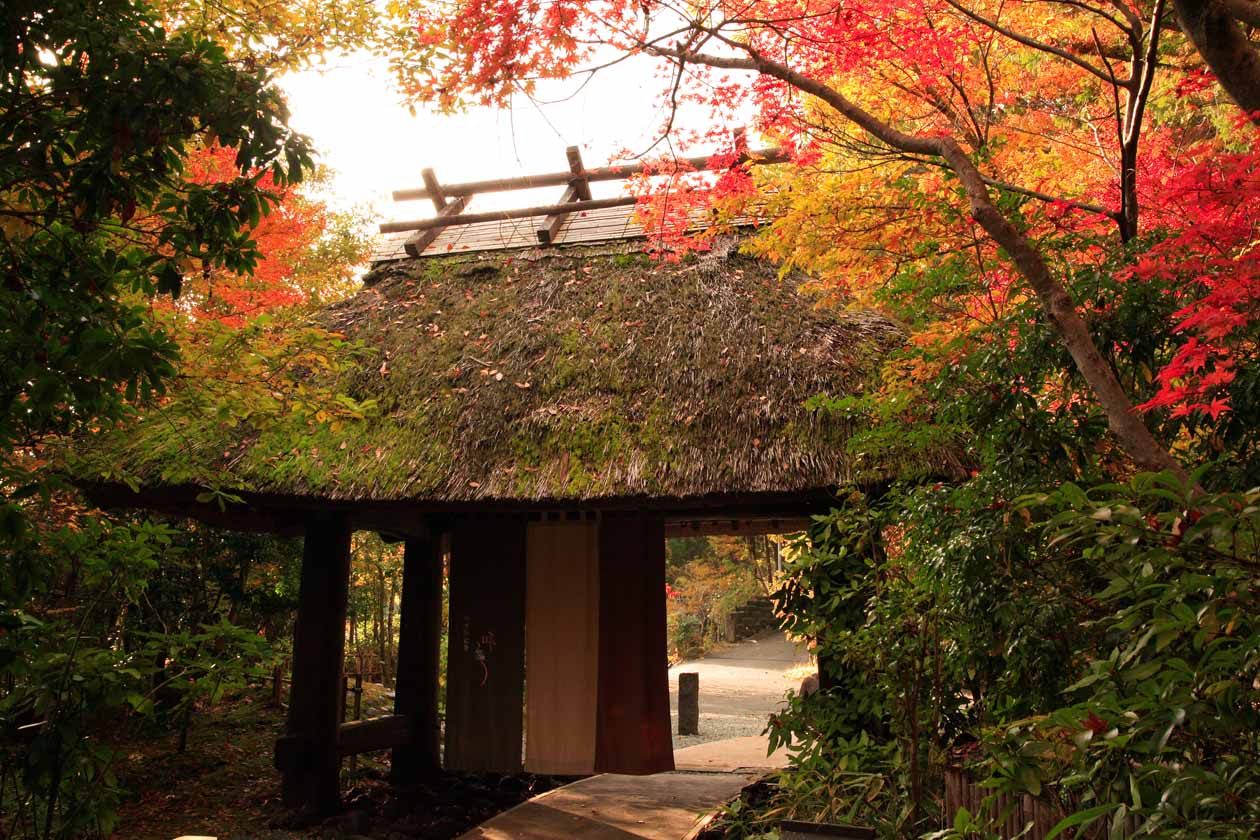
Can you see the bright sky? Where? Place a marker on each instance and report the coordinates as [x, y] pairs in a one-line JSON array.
[[367, 135]]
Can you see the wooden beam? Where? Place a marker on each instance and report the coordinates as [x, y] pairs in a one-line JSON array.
[[551, 225], [579, 190], [415, 244], [606, 173], [578, 170], [737, 527], [434, 189], [419, 661], [307, 756], [377, 733]]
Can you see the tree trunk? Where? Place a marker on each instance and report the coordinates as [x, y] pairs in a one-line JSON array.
[[1217, 36], [380, 621], [387, 668]]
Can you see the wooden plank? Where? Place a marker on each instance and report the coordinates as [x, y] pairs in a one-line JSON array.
[[699, 163], [503, 215], [417, 242], [583, 226], [485, 671], [632, 729], [419, 660], [378, 733], [562, 646], [551, 225], [434, 189], [307, 756]]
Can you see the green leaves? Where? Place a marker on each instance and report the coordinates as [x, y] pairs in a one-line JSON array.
[[1081, 819], [98, 212], [97, 204], [1163, 719]]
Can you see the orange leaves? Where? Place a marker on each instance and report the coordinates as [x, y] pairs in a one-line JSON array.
[[1037, 95], [504, 46], [285, 237]]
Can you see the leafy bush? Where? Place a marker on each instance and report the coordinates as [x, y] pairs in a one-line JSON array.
[[73, 676], [1164, 729], [1108, 661]]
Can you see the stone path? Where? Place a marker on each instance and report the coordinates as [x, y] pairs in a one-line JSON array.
[[666, 806], [743, 755], [740, 686]]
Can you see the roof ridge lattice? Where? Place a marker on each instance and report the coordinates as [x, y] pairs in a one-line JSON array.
[[576, 218]]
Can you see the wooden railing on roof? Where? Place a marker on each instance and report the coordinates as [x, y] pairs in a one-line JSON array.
[[451, 200]]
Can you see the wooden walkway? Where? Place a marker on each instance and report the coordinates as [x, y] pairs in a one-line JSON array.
[[664, 806]]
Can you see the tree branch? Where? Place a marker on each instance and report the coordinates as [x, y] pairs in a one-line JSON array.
[[1033, 43], [1125, 423]]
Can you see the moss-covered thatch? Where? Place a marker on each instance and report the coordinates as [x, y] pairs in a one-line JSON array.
[[561, 375]]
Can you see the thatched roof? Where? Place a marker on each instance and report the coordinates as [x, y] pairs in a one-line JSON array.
[[565, 375]]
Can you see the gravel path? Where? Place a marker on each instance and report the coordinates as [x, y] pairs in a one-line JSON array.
[[740, 686]]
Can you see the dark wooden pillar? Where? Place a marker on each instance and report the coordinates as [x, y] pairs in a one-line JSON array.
[[485, 665], [419, 651], [307, 755], [632, 726]]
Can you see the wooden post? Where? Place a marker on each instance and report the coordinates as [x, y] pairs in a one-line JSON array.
[[632, 726], [689, 703], [419, 660], [307, 755], [358, 712], [578, 190]]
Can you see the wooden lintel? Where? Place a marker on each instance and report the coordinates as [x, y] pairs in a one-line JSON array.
[[378, 733], [736, 527], [699, 163], [423, 238]]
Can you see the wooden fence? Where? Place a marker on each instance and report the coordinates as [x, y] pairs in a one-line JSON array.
[[1015, 814], [357, 734], [351, 687]]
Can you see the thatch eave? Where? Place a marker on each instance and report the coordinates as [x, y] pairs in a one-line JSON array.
[[563, 378]]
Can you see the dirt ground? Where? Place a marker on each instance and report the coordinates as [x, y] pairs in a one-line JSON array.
[[224, 786]]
